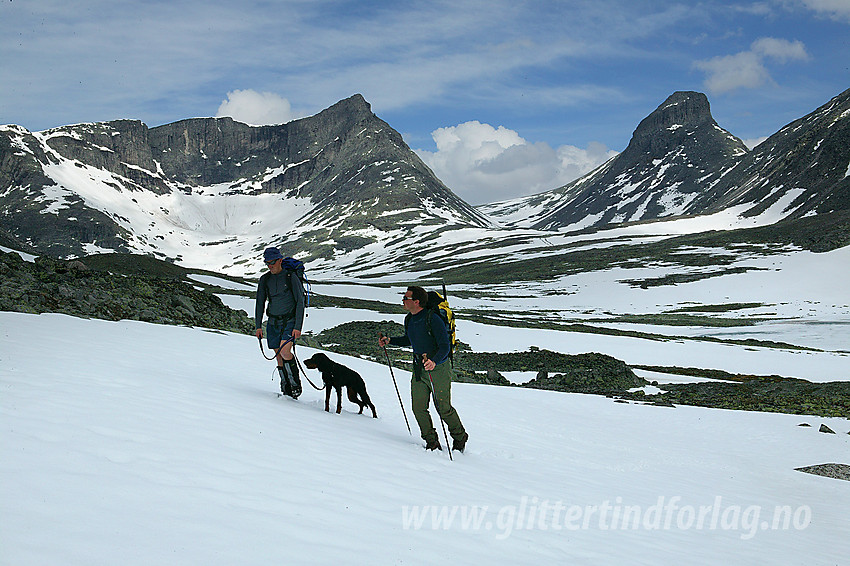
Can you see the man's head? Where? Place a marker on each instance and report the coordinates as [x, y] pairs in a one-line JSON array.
[[272, 257], [272, 254], [415, 299]]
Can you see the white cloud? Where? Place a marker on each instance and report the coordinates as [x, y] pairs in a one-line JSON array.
[[838, 10], [731, 72], [780, 49], [756, 9], [483, 164], [747, 69], [256, 108]]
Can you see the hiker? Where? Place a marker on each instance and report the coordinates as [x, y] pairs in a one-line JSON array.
[[426, 333], [285, 295]]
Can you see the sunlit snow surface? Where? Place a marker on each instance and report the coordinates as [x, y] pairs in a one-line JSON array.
[[132, 443]]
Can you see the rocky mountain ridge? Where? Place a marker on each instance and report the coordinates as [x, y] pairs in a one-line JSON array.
[[341, 191], [681, 162], [125, 187], [802, 170]]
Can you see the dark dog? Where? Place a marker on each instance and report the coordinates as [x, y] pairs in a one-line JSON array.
[[337, 376]]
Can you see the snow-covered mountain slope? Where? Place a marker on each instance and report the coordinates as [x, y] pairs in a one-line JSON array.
[[659, 174], [341, 191], [680, 162], [802, 170], [127, 446], [216, 191]]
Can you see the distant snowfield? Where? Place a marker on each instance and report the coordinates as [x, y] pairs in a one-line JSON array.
[[800, 285], [133, 443], [803, 296]]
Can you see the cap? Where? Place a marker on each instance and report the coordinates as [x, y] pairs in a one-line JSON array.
[[272, 254]]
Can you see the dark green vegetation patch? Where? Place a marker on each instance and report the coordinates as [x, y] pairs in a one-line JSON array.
[[602, 374]]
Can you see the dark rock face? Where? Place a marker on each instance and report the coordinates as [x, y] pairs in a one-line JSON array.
[[805, 163], [116, 146], [681, 109]]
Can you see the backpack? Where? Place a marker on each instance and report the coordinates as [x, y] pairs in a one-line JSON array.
[[292, 265], [440, 305]]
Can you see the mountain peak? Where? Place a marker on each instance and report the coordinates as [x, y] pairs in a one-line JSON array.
[[355, 102], [348, 110], [682, 108], [659, 174]]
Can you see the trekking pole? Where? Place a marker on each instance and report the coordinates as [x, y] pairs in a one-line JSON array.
[[436, 406], [381, 335]]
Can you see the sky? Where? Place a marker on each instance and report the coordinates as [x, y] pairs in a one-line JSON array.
[[501, 98]]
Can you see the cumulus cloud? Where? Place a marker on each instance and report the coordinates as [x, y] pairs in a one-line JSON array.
[[483, 164], [748, 69], [256, 108]]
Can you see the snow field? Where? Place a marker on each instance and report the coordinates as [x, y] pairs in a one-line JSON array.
[[135, 443]]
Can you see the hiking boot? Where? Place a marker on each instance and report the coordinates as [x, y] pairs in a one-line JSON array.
[[290, 385], [433, 445], [295, 379], [284, 382], [296, 387], [459, 444]]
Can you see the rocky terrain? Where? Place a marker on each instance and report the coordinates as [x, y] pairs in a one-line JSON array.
[[772, 394], [74, 288]]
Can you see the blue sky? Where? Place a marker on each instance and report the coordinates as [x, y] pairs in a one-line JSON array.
[[501, 98]]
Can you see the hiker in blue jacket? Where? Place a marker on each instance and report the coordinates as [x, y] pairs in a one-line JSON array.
[[285, 295], [426, 333]]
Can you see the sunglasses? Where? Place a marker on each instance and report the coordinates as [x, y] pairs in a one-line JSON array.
[[406, 299]]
